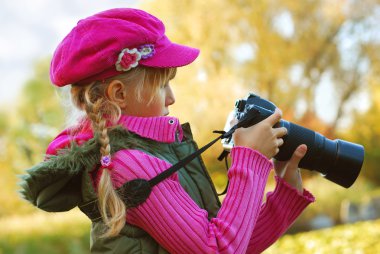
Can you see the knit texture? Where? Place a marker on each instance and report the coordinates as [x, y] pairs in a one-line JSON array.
[[277, 214], [165, 129], [174, 219], [243, 224]]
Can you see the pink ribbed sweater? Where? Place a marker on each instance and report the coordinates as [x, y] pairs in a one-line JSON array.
[[243, 224]]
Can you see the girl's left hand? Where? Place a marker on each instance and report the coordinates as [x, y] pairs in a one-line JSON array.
[[289, 171]]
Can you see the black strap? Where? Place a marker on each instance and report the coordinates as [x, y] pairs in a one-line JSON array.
[[167, 173], [228, 181], [136, 191]]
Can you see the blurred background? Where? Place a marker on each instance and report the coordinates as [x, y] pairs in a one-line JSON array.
[[317, 60]]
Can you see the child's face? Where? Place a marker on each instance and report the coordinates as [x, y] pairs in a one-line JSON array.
[[158, 107]]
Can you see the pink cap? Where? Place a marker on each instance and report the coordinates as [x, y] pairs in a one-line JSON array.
[[112, 42]]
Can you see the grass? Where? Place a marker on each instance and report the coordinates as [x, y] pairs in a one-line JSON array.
[[68, 233]]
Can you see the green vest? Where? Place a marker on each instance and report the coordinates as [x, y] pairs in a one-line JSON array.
[[64, 182], [193, 178]]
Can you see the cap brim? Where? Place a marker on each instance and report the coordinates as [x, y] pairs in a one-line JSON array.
[[175, 55]]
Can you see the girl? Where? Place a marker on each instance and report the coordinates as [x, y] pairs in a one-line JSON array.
[[119, 63]]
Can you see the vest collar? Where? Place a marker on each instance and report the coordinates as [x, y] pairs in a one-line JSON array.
[[166, 129]]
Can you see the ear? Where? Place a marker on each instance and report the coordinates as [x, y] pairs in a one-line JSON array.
[[116, 92]]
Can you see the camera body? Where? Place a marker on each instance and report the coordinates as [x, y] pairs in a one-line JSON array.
[[337, 160]]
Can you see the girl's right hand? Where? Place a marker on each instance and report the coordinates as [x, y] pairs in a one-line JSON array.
[[262, 136]]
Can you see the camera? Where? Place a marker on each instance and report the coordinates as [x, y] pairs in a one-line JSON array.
[[337, 160]]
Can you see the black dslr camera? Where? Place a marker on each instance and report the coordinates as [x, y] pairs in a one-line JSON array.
[[337, 160]]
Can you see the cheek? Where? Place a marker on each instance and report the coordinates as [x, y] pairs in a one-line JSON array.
[[159, 102], [160, 96]]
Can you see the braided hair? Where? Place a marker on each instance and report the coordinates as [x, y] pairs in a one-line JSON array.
[[103, 115]]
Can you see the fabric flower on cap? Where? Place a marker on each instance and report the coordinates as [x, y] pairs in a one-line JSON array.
[[129, 58]]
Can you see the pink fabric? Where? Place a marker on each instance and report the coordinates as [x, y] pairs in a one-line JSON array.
[[164, 129], [92, 48], [64, 139], [172, 218]]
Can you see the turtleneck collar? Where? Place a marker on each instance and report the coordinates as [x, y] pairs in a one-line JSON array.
[[166, 129]]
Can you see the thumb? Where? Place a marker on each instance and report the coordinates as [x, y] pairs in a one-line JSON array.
[[298, 154], [275, 117]]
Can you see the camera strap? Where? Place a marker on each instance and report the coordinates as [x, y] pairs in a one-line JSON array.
[[136, 191]]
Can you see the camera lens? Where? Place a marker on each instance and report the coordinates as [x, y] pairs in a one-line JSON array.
[[337, 160], [349, 160]]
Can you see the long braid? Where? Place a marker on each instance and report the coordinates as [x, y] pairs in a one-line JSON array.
[[111, 207]]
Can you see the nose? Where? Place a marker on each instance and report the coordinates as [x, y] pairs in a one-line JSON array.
[[170, 99]]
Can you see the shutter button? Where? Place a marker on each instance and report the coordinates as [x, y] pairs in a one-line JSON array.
[[171, 121]]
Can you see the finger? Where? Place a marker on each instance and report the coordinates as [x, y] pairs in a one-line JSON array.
[[298, 154], [281, 131], [275, 117], [280, 142]]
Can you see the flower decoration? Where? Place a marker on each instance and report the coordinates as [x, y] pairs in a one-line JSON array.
[[105, 161], [129, 58], [146, 51]]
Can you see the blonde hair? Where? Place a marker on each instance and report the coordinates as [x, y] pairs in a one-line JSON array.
[[100, 111]]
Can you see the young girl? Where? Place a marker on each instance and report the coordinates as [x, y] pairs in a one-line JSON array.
[[119, 64]]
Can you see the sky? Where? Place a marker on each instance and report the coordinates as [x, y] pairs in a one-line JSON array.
[[31, 29]]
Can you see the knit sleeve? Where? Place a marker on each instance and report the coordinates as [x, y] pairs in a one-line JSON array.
[[177, 223], [277, 214]]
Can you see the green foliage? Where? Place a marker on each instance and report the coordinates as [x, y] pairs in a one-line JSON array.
[[45, 233], [39, 101], [366, 131], [3, 123], [28, 127], [41, 115], [361, 237]]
